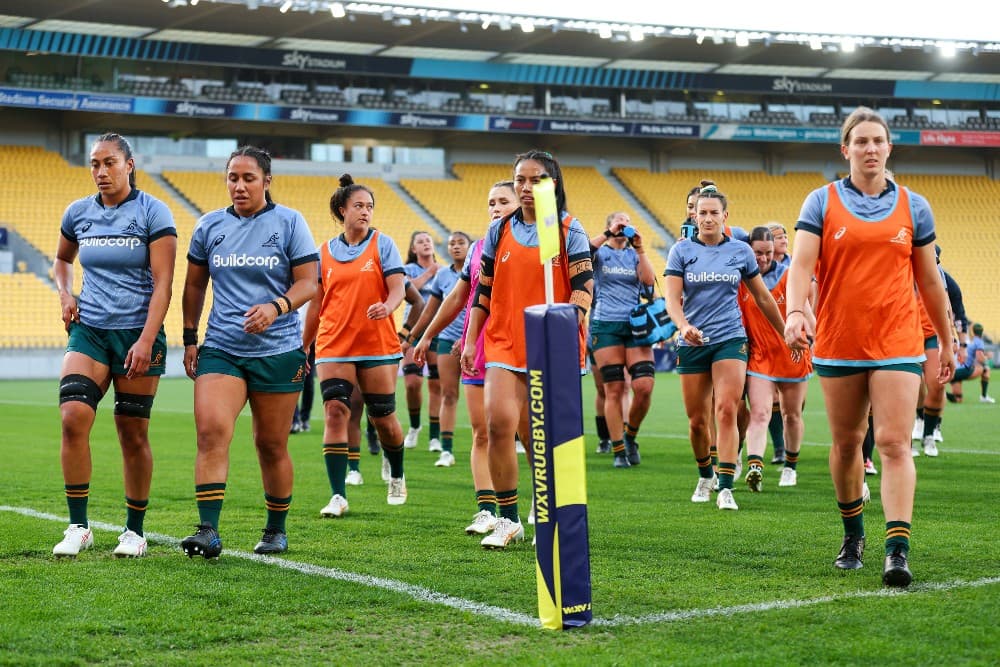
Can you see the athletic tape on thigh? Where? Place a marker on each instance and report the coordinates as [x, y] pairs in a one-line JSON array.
[[432, 372], [133, 405], [337, 389], [613, 373], [412, 369], [642, 369], [75, 387]]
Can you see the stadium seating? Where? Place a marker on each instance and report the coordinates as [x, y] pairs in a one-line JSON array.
[[29, 313], [969, 237], [962, 205], [461, 204], [754, 197]]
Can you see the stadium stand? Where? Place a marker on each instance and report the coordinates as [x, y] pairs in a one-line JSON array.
[[460, 204], [29, 313], [310, 195], [37, 220], [969, 235], [967, 229], [755, 198]]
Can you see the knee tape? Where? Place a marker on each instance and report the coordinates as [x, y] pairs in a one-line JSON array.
[[642, 369], [133, 405], [380, 405], [79, 388], [613, 373], [432, 372], [337, 389], [412, 369]]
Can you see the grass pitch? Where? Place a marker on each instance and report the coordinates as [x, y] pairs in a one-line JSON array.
[[673, 582]]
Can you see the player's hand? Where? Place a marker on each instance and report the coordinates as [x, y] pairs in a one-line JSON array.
[[259, 318], [469, 359], [420, 351], [70, 310], [377, 311], [191, 360], [692, 335], [137, 359]]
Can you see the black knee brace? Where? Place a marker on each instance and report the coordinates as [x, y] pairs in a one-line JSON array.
[[432, 372], [642, 369], [380, 405], [337, 389], [133, 405], [80, 388], [412, 369], [613, 373]]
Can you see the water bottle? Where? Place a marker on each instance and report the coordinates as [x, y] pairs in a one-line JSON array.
[[628, 231]]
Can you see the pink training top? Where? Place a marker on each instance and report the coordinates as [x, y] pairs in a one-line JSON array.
[[480, 373]]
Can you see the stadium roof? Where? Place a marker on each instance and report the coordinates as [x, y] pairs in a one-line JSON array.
[[410, 31]]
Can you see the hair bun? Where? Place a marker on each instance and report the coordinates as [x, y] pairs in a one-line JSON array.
[[705, 183], [346, 180]]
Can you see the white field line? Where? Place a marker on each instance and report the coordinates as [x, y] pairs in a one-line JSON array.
[[422, 594], [418, 593]]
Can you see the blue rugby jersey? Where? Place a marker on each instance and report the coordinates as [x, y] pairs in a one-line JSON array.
[[774, 274], [250, 261], [616, 276], [114, 254], [442, 284], [712, 276]]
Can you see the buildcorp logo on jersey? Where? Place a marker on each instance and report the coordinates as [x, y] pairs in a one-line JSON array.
[[711, 277], [233, 260]]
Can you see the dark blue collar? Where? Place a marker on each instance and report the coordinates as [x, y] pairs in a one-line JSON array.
[[889, 186], [131, 195], [270, 205]]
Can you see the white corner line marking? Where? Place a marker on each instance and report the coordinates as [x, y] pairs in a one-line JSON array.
[[423, 594]]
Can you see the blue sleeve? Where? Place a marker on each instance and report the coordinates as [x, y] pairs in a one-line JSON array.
[[811, 215], [740, 234], [675, 263], [159, 220], [392, 261], [492, 238], [67, 227], [197, 252], [434, 288], [577, 242], [749, 268], [466, 266], [923, 220], [301, 246]]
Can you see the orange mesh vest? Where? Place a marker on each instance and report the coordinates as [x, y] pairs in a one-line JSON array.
[[866, 310], [769, 355], [349, 288], [519, 282]]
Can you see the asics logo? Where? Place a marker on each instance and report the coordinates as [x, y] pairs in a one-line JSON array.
[[218, 239], [840, 233], [329, 272], [505, 256]]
